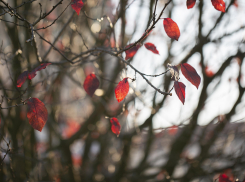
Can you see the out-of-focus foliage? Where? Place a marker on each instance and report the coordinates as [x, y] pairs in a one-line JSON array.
[[110, 106]]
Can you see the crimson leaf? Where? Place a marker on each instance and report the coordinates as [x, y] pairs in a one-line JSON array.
[[179, 88], [32, 74], [122, 89], [131, 52], [219, 5], [190, 3], [191, 75], [22, 78], [37, 114], [77, 5], [91, 83], [171, 28], [151, 47], [223, 178], [115, 126]]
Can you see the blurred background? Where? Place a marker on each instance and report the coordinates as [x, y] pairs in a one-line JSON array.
[[161, 139]]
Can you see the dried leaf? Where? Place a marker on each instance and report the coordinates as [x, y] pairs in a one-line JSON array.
[[131, 52], [171, 28], [90, 84], [32, 74], [179, 88], [122, 89], [115, 126], [174, 72], [22, 78], [219, 5], [151, 47], [190, 3], [190, 74], [77, 5], [37, 114]]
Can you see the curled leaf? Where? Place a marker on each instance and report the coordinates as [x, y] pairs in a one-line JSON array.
[[174, 72], [190, 74], [151, 47], [219, 5], [22, 78], [115, 126], [32, 74], [77, 5], [37, 114], [122, 89], [131, 52], [190, 3], [179, 88], [90, 84], [171, 28]]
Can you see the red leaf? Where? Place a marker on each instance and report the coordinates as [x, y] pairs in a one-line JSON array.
[[122, 89], [22, 78], [151, 47], [115, 126], [190, 74], [219, 5], [190, 3], [235, 3], [179, 88], [131, 52], [171, 28], [77, 5], [37, 114], [208, 72], [224, 178], [71, 128], [173, 130], [32, 74], [91, 83]]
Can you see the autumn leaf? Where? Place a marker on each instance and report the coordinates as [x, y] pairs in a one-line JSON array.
[[32, 74], [77, 5], [219, 5], [224, 178], [22, 78], [151, 47], [71, 128], [37, 114], [236, 3], [171, 28], [179, 88], [208, 72], [122, 89], [131, 52], [173, 130], [190, 3], [190, 74], [90, 84], [174, 72], [115, 126]]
